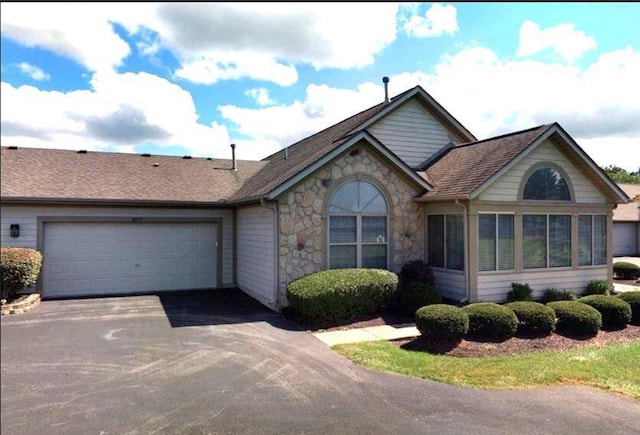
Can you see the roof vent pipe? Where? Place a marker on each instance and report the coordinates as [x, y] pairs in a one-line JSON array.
[[385, 80], [233, 157]]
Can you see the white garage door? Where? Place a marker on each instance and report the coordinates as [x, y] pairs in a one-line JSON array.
[[84, 259], [625, 238]]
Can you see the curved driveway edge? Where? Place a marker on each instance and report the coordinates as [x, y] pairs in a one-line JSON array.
[[194, 363]]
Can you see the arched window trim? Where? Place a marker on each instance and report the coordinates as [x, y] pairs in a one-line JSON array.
[[359, 243], [554, 167]]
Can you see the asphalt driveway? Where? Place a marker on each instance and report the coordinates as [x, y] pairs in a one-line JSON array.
[[194, 363]]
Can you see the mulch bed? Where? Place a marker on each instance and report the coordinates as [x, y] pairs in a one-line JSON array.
[[479, 348]]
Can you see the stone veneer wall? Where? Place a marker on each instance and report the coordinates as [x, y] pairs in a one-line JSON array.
[[302, 238]]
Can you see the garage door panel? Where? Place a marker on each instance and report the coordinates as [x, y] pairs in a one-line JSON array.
[[625, 238], [82, 259]]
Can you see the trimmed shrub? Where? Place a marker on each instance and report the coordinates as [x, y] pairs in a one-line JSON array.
[[597, 287], [615, 312], [442, 322], [414, 295], [491, 321], [20, 268], [416, 271], [551, 295], [338, 295], [533, 317], [626, 270], [633, 299], [519, 292], [576, 318]]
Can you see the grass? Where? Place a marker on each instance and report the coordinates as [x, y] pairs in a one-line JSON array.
[[613, 367]]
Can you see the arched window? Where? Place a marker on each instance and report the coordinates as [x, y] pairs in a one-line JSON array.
[[546, 184], [358, 233]]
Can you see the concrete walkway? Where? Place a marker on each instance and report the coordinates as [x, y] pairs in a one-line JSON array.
[[371, 333]]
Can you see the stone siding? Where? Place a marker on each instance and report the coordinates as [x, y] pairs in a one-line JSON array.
[[303, 232]]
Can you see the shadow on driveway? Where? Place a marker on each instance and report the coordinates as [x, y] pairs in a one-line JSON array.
[[217, 307]]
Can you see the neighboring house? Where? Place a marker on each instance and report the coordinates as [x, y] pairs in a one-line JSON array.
[[399, 181], [626, 223]]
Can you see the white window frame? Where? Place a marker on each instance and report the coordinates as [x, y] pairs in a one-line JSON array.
[[548, 252], [358, 243], [445, 266], [497, 240], [593, 239]]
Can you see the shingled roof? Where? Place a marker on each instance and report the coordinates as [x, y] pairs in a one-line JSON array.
[[462, 169], [63, 175], [629, 212]]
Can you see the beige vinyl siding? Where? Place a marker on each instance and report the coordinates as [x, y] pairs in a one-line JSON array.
[[506, 188], [256, 259], [27, 217], [493, 287], [412, 133], [450, 284]]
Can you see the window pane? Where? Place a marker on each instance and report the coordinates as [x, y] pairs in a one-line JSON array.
[[600, 239], [342, 229], [559, 241], [435, 239], [585, 241], [370, 199], [505, 242], [374, 229], [487, 242], [455, 242], [342, 257], [534, 241], [374, 256], [546, 184], [345, 199]]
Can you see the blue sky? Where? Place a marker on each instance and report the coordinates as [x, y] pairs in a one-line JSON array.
[[192, 78]]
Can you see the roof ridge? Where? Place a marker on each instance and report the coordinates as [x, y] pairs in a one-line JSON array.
[[502, 136]]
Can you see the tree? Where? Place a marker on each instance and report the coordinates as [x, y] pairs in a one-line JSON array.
[[620, 175]]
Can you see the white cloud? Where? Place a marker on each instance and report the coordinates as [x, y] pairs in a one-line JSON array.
[[78, 31], [211, 41], [438, 20], [563, 39], [121, 111], [261, 95], [33, 71]]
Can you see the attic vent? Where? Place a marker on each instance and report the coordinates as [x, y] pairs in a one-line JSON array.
[[146, 155], [82, 151], [186, 157], [209, 158], [13, 147]]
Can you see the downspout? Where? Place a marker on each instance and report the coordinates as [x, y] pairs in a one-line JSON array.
[[466, 250], [276, 256]]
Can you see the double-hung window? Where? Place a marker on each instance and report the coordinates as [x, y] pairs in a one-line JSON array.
[[495, 242], [358, 234], [592, 240], [445, 238], [546, 241]]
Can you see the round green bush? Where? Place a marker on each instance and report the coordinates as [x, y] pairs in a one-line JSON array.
[[633, 299], [442, 322], [576, 318], [626, 270], [340, 294], [491, 321], [20, 268], [533, 317], [597, 287], [615, 312], [414, 295]]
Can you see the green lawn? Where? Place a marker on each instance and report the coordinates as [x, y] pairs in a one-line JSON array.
[[613, 367]]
